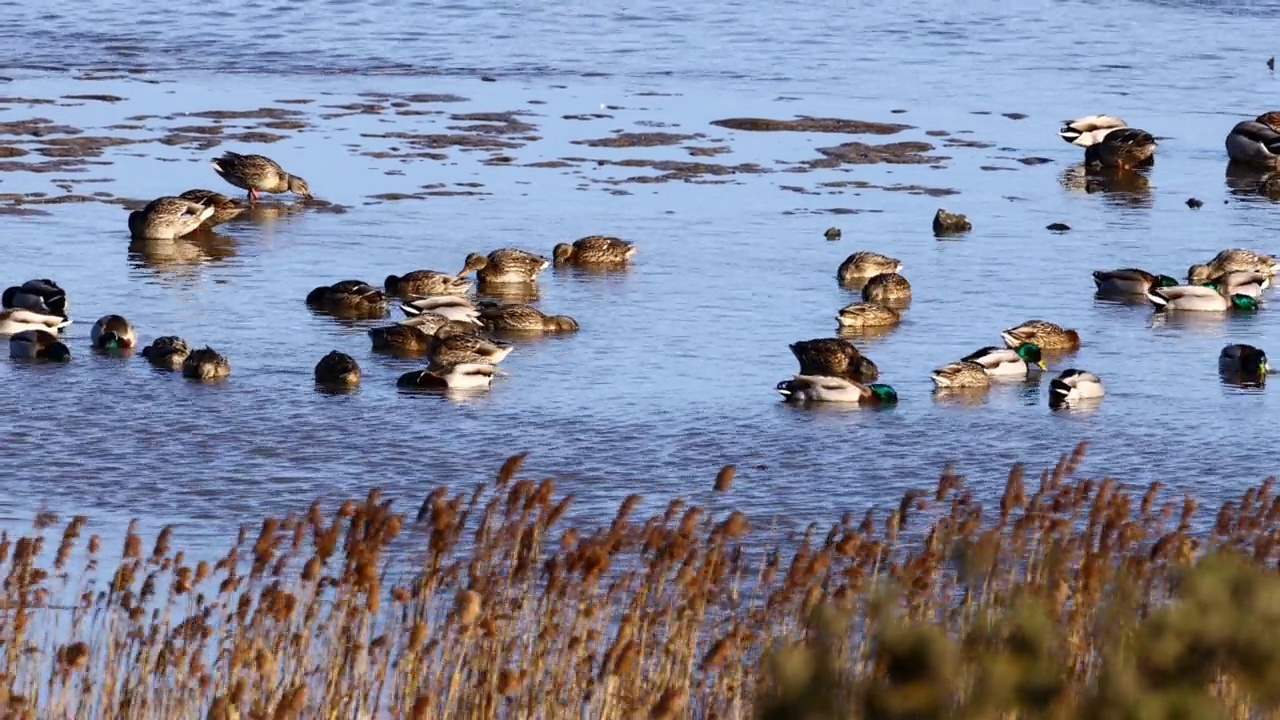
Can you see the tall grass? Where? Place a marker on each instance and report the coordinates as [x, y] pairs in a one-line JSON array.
[[1071, 598]]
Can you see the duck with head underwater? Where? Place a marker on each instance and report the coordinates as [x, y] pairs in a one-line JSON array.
[[826, 389], [111, 333], [1199, 298], [1129, 281]]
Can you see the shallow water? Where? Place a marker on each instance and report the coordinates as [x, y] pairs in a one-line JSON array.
[[673, 372]]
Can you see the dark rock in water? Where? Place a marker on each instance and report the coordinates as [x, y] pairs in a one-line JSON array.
[[1058, 227], [1194, 203], [1016, 115], [1271, 63], [1034, 160], [812, 124], [945, 223], [832, 233]]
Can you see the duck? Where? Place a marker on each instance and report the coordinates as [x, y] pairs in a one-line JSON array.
[[887, 288], [38, 345], [348, 296], [867, 314], [1129, 281], [514, 317], [451, 307], [206, 364], [506, 265], [827, 389], [1231, 260], [400, 337], [16, 320], [112, 332], [224, 208], [338, 369], [1003, 361], [167, 352], [962, 374], [1202, 298], [460, 376], [1090, 129], [866, 264], [41, 295], [1122, 148], [594, 250], [1243, 360], [258, 174], [168, 218], [1072, 386], [450, 348], [1256, 142], [833, 357], [1044, 334], [431, 323], [426, 282], [1241, 282]]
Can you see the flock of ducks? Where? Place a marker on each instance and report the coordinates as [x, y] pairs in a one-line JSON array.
[[833, 370], [443, 320]]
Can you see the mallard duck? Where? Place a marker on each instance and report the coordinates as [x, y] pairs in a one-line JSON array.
[[833, 357], [1254, 143], [112, 332], [40, 295], [1241, 282], [206, 364], [1046, 335], [15, 320], [224, 208], [1007, 361], [507, 265], [1122, 148], [1072, 386], [1202, 298], [866, 264], [524, 318], [1129, 281], [449, 348], [594, 250], [1231, 260], [1089, 130], [431, 323], [461, 376], [258, 174], [426, 282], [962, 374], [865, 315], [168, 218], [38, 345], [452, 307], [168, 352], [349, 296], [1243, 360], [820, 388], [887, 289], [339, 369], [400, 337]]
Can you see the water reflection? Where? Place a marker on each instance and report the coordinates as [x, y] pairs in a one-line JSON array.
[[963, 397], [264, 212], [181, 255], [865, 333], [1249, 181], [511, 292]]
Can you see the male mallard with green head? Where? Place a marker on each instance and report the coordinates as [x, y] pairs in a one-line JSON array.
[[206, 364], [426, 282], [351, 297], [1122, 148], [867, 315], [167, 352], [514, 317], [41, 295], [167, 218], [1244, 361], [460, 376], [1129, 281], [834, 357], [1073, 386], [825, 389], [258, 174], [38, 345], [112, 332], [337, 369], [866, 264], [452, 307], [505, 265], [1044, 334], [1199, 298], [1254, 142], [1007, 362], [224, 208], [887, 289], [594, 250], [1241, 282]]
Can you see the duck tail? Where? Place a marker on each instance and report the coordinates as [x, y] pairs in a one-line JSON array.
[[1159, 301], [1059, 392], [410, 310]]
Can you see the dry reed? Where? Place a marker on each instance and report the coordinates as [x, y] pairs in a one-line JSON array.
[[1072, 598]]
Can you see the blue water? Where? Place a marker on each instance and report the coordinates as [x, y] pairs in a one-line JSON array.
[[673, 372]]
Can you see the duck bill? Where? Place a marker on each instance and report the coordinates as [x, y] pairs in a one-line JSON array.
[[1041, 365]]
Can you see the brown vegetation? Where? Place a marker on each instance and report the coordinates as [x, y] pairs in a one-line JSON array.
[[1070, 598]]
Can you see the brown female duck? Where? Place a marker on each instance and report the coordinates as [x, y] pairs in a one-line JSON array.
[[450, 348], [224, 208], [594, 250], [1122, 148], [168, 352], [258, 174], [338, 369], [206, 364], [506, 265], [167, 218], [426, 282], [524, 318], [350, 297], [834, 357]]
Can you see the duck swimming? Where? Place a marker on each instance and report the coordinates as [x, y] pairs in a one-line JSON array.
[[825, 389], [1129, 281], [1256, 142], [337, 369], [167, 352], [224, 208], [258, 174], [353, 297], [962, 374], [1089, 130], [16, 320], [1008, 362], [1122, 148], [1241, 282], [40, 295], [1043, 334], [1231, 260], [400, 337], [168, 218], [524, 318], [1243, 360], [867, 315], [452, 307], [206, 364], [887, 289], [506, 265], [38, 345], [1073, 386], [449, 348], [866, 264], [461, 376], [594, 250], [833, 357], [426, 282], [112, 332], [1199, 298]]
